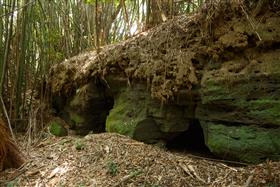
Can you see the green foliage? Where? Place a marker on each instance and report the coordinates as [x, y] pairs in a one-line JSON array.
[[63, 142], [135, 173], [13, 183], [112, 168], [272, 185], [89, 1], [80, 145], [81, 185]]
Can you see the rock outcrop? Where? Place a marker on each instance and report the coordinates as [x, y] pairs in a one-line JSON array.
[[223, 73], [137, 114]]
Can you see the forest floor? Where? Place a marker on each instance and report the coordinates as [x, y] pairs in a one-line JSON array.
[[115, 160]]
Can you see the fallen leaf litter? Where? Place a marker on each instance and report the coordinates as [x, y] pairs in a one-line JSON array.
[[114, 160]]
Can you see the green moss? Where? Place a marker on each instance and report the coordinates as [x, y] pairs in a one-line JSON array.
[[220, 90], [244, 143], [112, 168], [266, 109], [122, 127], [57, 129], [137, 115], [78, 119], [128, 110], [251, 99]]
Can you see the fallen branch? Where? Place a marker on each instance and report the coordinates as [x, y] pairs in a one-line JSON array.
[[249, 180], [127, 177], [190, 171], [251, 23], [219, 160], [186, 170]]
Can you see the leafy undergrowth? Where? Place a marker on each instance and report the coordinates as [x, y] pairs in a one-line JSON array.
[[115, 160]]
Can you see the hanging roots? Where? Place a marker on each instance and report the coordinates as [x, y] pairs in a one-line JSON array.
[[10, 156]]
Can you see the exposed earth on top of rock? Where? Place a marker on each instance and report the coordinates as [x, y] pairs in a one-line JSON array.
[[217, 69]]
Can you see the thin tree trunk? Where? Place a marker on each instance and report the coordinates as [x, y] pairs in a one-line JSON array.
[[7, 49]]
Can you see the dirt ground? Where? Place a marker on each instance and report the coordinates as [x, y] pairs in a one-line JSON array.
[[115, 160]]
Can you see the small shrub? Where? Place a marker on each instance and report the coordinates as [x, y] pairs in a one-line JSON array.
[[80, 145], [112, 168]]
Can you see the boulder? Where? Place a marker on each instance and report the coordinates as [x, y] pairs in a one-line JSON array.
[[57, 127], [151, 86], [246, 143], [135, 113], [87, 109], [240, 108]]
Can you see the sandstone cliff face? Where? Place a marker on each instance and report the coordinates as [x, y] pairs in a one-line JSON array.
[[135, 113], [152, 87], [239, 108]]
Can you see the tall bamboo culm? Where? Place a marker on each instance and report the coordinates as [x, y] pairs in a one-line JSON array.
[[35, 34]]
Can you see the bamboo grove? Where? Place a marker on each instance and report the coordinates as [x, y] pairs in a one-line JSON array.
[[34, 34]]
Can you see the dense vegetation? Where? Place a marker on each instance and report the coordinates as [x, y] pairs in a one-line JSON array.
[[35, 34]]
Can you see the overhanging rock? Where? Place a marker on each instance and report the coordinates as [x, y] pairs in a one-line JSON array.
[[151, 86]]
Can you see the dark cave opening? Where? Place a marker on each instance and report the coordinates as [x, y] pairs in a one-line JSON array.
[[190, 142], [100, 102], [96, 117], [86, 110]]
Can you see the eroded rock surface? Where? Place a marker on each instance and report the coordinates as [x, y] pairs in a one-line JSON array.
[[224, 73], [87, 109], [240, 107], [137, 114]]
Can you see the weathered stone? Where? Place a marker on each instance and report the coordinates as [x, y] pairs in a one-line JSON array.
[[148, 131], [228, 83], [137, 114], [128, 110], [248, 143], [57, 127], [87, 110], [240, 108], [249, 96]]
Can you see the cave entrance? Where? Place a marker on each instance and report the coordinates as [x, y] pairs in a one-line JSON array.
[[99, 105], [87, 108], [190, 141]]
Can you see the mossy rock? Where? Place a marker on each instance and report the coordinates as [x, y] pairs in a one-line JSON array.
[[243, 92], [136, 114], [76, 118], [251, 144], [57, 128], [128, 111], [148, 131], [87, 109]]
